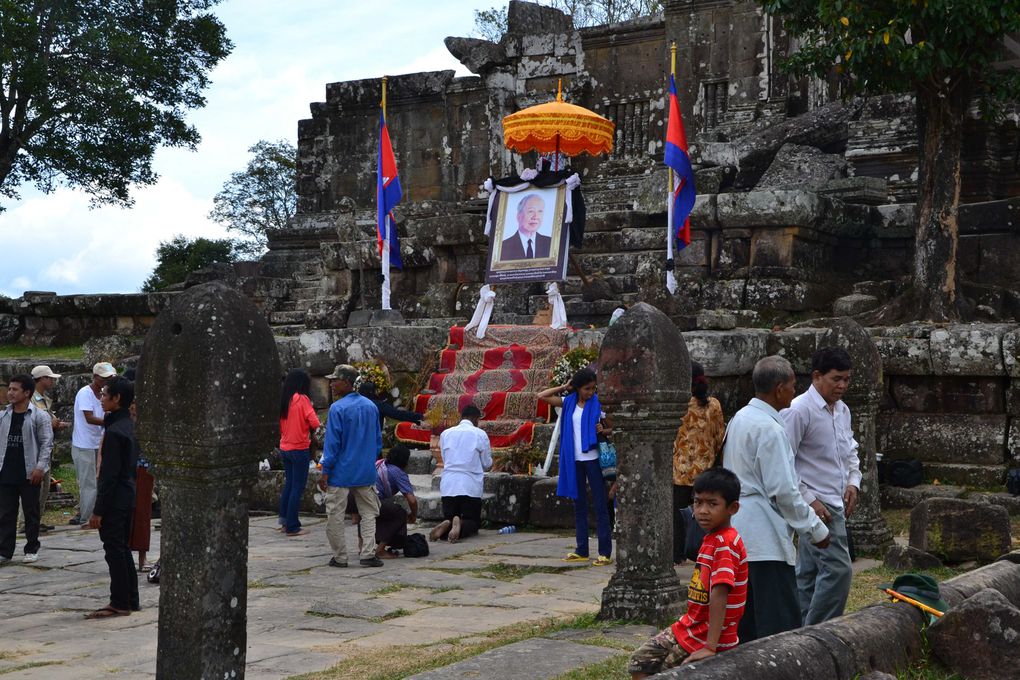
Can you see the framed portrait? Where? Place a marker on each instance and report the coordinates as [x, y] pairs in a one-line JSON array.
[[528, 241]]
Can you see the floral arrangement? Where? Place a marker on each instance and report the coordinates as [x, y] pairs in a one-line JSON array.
[[517, 460], [572, 362], [439, 417], [376, 373]]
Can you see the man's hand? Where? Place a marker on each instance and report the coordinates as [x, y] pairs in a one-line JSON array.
[[850, 499], [95, 521], [702, 653], [36, 478], [821, 511], [824, 543], [323, 481]]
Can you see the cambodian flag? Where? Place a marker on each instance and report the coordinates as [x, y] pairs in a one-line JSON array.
[[683, 175], [388, 193]]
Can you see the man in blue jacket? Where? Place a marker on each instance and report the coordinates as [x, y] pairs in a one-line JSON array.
[[353, 443]]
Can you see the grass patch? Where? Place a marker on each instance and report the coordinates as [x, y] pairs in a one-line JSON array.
[[68, 484], [395, 614], [10, 654], [26, 666], [259, 584], [69, 352], [864, 588], [603, 641], [371, 665], [613, 668], [392, 588], [928, 671]]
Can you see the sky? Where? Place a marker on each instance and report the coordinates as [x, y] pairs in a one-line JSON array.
[[284, 55]]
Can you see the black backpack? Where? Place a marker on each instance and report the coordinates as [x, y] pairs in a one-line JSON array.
[[906, 473], [415, 545]]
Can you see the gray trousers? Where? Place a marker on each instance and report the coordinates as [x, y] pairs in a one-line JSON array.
[[85, 467], [823, 576]]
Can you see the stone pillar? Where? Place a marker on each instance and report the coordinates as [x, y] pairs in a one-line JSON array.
[[867, 526], [209, 382], [644, 385]]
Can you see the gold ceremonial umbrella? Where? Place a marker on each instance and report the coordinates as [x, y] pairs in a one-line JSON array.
[[558, 127]]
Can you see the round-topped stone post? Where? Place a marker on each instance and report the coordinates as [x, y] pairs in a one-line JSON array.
[[867, 527], [644, 384], [209, 383]]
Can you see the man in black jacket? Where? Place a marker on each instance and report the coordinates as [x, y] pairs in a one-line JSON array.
[[115, 498]]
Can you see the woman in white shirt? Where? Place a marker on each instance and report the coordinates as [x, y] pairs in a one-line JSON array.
[[579, 461]]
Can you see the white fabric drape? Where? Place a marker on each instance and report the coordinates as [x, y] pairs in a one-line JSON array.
[[572, 183], [480, 319], [559, 311], [670, 231]]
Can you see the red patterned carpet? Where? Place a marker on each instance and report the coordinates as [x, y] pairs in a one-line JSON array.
[[500, 374]]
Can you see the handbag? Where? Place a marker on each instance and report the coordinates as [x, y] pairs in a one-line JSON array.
[[607, 455]]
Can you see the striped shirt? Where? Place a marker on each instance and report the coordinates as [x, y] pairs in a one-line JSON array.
[[722, 560]]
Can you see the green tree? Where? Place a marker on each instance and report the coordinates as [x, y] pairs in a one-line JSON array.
[[491, 23], [261, 198], [89, 89], [943, 51], [178, 257]]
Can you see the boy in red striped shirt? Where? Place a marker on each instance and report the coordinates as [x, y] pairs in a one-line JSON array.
[[718, 588]]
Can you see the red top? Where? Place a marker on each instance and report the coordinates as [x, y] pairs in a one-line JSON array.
[[300, 421], [722, 560]]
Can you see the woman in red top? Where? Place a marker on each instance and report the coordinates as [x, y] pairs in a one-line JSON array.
[[297, 423]]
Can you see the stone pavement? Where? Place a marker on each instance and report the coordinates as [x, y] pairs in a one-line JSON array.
[[302, 614]]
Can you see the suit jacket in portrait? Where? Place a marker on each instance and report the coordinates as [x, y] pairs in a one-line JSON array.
[[513, 249]]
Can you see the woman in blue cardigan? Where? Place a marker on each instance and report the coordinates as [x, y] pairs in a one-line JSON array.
[[580, 425]]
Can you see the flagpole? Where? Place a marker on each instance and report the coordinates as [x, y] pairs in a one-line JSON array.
[[671, 187], [384, 255]]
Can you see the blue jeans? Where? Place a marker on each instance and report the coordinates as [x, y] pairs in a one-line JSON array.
[[295, 475], [590, 470]]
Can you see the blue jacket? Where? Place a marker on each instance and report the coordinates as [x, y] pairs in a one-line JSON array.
[[567, 484], [353, 442]]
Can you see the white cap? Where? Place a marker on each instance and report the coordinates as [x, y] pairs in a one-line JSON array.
[[104, 369], [43, 372]]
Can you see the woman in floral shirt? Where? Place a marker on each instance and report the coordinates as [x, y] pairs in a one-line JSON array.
[[698, 442]]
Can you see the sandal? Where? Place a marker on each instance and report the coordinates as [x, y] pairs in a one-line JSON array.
[[299, 532], [602, 561], [107, 612], [574, 557]]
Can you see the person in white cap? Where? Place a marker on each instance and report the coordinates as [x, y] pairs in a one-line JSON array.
[[85, 438], [45, 380]]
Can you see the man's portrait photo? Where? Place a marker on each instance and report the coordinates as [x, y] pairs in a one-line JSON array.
[[525, 242]]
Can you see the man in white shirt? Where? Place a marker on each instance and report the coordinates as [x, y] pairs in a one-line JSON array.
[[758, 451], [85, 438], [467, 455], [818, 424]]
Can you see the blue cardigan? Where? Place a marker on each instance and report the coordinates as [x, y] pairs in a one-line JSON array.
[[567, 485]]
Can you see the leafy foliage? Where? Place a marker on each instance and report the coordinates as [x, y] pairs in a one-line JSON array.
[[89, 89], [178, 257], [260, 198], [517, 460], [905, 45], [491, 23]]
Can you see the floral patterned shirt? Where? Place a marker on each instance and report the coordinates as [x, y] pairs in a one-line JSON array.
[[698, 441]]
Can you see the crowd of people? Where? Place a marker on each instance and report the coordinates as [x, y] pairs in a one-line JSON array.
[[785, 465], [107, 462]]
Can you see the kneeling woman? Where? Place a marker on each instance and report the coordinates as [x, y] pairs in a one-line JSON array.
[[390, 479], [579, 461]]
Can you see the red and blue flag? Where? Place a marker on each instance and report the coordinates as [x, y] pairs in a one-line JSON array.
[[677, 158], [388, 193]]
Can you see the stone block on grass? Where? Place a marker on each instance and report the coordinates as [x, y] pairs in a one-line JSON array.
[[957, 530]]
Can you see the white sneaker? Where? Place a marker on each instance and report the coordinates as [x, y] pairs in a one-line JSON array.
[[30, 557]]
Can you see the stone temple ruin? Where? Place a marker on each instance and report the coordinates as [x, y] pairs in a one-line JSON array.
[[805, 210]]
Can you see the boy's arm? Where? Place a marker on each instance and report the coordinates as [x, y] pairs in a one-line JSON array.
[[716, 617]]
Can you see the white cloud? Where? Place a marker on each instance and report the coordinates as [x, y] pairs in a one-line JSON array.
[[285, 54]]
